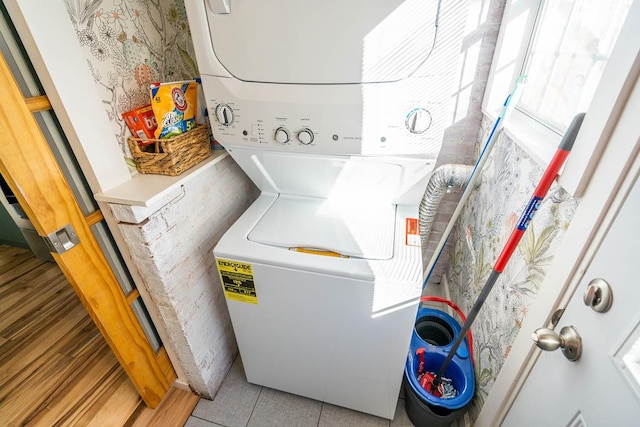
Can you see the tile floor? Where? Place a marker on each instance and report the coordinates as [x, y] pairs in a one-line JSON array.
[[240, 404]]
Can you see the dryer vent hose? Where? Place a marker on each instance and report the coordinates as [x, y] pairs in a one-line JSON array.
[[442, 181]]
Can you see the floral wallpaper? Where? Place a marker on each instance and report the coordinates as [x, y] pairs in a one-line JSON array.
[[130, 44], [488, 218]]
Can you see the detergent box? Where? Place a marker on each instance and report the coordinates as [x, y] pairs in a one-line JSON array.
[[142, 123], [175, 105]]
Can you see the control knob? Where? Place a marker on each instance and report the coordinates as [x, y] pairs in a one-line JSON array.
[[282, 135], [418, 120], [224, 114], [305, 136]]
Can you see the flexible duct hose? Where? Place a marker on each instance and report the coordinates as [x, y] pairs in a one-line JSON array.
[[441, 181]]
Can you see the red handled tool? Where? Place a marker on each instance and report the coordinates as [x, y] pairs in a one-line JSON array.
[[549, 175]]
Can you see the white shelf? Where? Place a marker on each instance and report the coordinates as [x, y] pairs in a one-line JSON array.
[[145, 190]]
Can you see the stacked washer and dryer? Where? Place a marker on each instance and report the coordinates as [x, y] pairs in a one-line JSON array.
[[323, 105]]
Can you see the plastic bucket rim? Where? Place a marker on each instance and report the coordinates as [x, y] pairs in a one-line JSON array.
[[442, 321]]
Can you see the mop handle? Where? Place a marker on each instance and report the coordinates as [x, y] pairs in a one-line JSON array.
[[540, 192], [549, 175]]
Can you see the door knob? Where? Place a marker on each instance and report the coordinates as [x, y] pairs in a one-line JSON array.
[[568, 340]]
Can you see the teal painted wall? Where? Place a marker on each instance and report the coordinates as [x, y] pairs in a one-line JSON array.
[[9, 232]]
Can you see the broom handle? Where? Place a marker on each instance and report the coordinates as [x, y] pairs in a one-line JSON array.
[[549, 175]]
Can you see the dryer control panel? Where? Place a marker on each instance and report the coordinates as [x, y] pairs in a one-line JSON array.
[[359, 119]]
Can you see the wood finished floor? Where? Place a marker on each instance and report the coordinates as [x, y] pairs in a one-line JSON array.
[[55, 367]]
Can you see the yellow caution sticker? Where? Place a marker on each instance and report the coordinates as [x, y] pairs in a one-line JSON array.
[[237, 281]]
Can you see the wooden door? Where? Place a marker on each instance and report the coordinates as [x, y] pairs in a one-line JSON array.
[[31, 171]]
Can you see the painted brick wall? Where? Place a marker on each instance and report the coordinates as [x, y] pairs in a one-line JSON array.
[[172, 251], [481, 29]]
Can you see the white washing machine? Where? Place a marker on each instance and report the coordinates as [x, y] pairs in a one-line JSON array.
[[325, 106]]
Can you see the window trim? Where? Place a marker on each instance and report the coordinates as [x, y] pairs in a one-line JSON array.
[[618, 79]]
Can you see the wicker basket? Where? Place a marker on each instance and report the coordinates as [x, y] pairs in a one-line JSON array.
[[171, 156]]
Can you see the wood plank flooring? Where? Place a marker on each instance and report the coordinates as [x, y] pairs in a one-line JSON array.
[[174, 410], [55, 367]]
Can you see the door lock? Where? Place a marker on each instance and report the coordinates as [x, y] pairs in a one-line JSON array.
[[598, 295], [62, 239], [568, 340]]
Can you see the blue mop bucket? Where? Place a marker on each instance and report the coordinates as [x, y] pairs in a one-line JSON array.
[[435, 332]]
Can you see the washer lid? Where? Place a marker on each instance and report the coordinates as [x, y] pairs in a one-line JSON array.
[[318, 224], [329, 41]]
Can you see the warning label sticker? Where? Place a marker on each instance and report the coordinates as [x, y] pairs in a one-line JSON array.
[[237, 281], [412, 232]]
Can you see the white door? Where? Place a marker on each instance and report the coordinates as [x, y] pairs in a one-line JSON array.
[[601, 388]]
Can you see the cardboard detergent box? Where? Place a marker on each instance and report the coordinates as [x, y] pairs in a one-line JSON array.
[[142, 123]]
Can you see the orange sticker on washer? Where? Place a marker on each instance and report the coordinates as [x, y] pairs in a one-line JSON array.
[[412, 232]]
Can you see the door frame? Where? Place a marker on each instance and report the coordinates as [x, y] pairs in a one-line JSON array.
[[32, 172], [613, 176]]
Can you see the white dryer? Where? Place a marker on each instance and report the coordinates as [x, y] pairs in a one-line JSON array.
[[322, 104]]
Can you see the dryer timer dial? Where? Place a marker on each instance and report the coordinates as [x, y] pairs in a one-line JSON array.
[[418, 120], [224, 114]]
